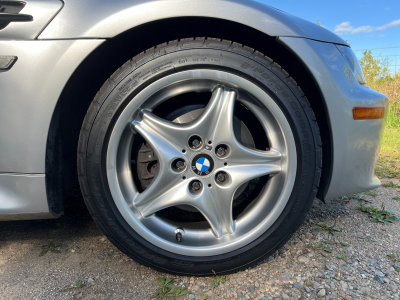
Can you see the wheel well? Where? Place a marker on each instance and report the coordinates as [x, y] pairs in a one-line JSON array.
[[101, 63]]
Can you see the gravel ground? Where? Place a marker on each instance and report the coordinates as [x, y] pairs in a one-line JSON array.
[[297, 271]]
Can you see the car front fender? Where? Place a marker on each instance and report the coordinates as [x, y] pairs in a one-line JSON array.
[[107, 19]]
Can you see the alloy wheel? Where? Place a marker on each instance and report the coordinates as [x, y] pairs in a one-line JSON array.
[[201, 164]]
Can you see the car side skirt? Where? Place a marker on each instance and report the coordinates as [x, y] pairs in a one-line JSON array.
[[23, 196]]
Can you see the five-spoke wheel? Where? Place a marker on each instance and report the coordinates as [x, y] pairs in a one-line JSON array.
[[191, 172]]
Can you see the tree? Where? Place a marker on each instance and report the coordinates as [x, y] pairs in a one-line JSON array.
[[319, 22], [374, 68]]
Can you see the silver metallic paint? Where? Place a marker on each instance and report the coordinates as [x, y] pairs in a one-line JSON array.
[[106, 19], [356, 144], [23, 196], [29, 94], [42, 12]]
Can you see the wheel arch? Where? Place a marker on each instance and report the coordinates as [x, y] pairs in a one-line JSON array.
[[87, 79]]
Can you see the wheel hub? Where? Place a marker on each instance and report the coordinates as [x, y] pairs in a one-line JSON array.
[[202, 164]]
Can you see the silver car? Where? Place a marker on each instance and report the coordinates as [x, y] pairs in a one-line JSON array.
[[201, 153]]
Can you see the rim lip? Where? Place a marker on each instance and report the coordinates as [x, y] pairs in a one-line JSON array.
[[289, 169]]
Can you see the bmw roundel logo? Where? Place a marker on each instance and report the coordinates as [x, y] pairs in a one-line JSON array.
[[202, 164]]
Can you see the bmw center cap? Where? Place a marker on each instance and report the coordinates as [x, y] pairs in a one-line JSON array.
[[202, 164]]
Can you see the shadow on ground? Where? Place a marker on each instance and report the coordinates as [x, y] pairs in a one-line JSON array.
[[75, 222]]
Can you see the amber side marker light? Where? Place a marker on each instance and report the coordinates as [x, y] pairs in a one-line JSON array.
[[368, 113]]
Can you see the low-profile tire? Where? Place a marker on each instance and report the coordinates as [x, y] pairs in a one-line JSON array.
[[220, 203]]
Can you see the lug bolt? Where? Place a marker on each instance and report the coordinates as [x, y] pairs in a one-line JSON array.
[[180, 164], [221, 177], [221, 151], [195, 143], [195, 185]]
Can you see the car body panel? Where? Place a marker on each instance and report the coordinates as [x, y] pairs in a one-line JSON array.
[[356, 144], [107, 19], [27, 102], [23, 196], [42, 11]]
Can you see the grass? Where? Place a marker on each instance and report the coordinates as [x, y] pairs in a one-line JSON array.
[[390, 86], [80, 284], [53, 248], [389, 157], [308, 282], [327, 247], [392, 119], [379, 78], [315, 247], [395, 258], [390, 184], [218, 279], [168, 290], [359, 196], [378, 215], [371, 193], [388, 165], [392, 256], [331, 229]]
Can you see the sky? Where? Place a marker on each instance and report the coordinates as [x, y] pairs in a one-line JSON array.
[[365, 24]]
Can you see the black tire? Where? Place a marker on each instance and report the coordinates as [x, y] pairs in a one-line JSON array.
[[166, 59]]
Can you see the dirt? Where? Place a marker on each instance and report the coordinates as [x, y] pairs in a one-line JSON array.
[[79, 255]]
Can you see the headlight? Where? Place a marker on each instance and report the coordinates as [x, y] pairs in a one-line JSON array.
[[352, 60]]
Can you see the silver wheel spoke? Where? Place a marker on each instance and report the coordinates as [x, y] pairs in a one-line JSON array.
[[216, 120], [172, 134], [240, 174], [178, 134], [219, 214], [242, 155], [166, 151], [215, 207], [218, 115], [222, 195], [152, 200], [166, 178]]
